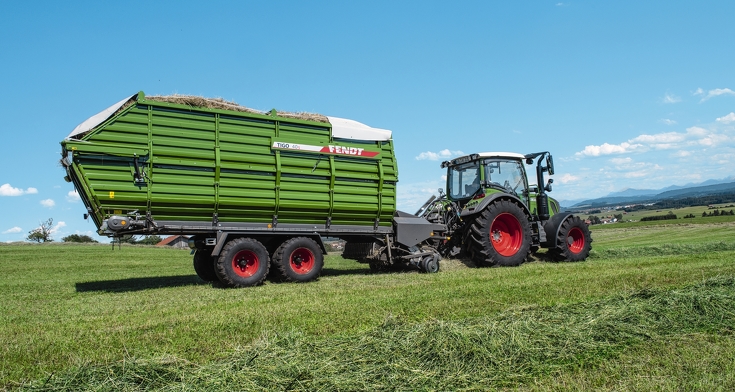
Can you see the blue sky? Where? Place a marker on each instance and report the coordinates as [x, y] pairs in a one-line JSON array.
[[625, 94]]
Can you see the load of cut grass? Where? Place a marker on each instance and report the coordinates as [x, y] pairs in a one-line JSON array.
[[220, 103], [511, 349]]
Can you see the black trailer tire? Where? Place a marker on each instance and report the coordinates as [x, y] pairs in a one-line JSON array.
[[500, 236], [243, 262], [204, 265], [429, 264], [574, 241], [299, 259]]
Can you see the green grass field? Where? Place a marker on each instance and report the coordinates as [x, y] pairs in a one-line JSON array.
[[679, 212], [652, 309]]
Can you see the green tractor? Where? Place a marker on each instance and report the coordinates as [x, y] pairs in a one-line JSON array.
[[495, 217]]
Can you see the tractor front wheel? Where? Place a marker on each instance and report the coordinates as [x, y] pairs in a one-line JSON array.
[[500, 235], [574, 241]]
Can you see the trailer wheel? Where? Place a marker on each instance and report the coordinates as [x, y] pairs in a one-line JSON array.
[[242, 263], [574, 241], [204, 265], [299, 259], [500, 235], [429, 264]]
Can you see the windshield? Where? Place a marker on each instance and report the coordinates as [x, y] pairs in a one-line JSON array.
[[464, 180], [507, 174]]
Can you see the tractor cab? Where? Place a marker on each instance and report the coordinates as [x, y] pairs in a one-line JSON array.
[[472, 178]]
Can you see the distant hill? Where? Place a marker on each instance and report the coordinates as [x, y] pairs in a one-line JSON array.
[[637, 196]]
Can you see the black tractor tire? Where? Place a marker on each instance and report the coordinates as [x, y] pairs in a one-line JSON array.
[[299, 259], [499, 236], [204, 265], [574, 241], [243, 262]]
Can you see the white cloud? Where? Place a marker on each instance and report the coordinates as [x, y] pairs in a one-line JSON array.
[[667, 137], [713, 140], [435, 156], [682, 154], [48, 203], [694, 136], [727, 119], [57, 227], [567, 178], [15, 229], [621, 161], [7, 190], [73, 196], [670, 98], [713, 93], [607, 149], [668, 121]]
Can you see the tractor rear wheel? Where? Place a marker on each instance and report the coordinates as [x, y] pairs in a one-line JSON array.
[[574, 241], [242, 263], [204, 265], [500, 236], [299, 259]]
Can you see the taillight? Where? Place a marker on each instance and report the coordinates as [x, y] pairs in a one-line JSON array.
[[479, 196]]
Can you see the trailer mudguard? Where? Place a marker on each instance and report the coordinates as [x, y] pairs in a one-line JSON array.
[[223, 237]]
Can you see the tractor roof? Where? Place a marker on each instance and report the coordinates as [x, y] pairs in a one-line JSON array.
[[472, 157], [496, 154]]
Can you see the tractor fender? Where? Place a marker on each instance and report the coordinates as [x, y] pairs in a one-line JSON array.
[[491, 199], [552, 227]]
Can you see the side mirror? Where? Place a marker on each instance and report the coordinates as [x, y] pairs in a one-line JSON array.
[[441, 191], [550, 164]]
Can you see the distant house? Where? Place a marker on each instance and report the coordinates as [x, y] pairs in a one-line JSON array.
[[175, 241]]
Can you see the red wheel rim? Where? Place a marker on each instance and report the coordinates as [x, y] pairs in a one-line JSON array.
[[506, 234], [302, 261], [245, 263], [575, 240]]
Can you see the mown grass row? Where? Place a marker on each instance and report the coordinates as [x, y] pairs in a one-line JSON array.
[[515, 348], [66, 308]]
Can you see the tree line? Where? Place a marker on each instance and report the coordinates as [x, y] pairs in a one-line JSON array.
[[43, 233]]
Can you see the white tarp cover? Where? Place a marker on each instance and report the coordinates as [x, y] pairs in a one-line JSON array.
[[98, 118], [350, 129]]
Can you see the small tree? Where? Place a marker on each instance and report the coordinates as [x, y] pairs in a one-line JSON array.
[[42, 233], [78, 238], [150, 240]]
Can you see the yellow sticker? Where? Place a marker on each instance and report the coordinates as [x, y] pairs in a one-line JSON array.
[[117, 212], [112, 195]]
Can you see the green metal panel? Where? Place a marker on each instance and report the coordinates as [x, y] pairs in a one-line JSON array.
[[200, 162]]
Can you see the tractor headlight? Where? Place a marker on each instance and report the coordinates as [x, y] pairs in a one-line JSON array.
[[192, 243]]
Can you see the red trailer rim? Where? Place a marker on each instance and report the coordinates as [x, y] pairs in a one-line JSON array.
[[506, 234], [302, 261], [245, 263], [575, 240]]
